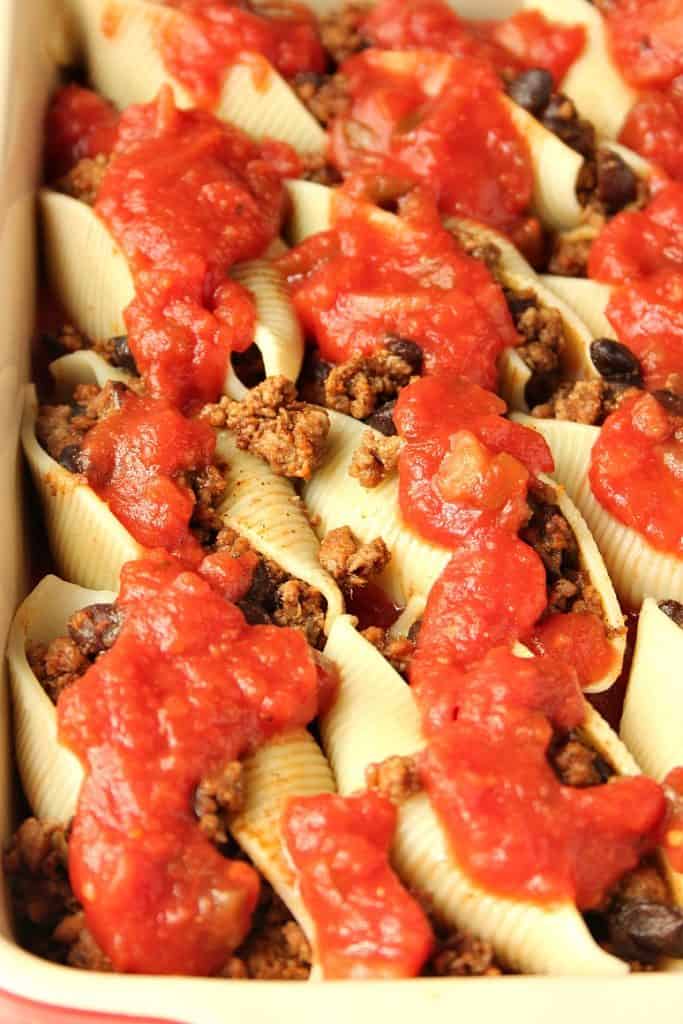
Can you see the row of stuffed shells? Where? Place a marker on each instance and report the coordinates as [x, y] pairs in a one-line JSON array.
[[637, 569], [89, 544], [95, 302], [125, 65], [289, 765], [312, 211], [368, 724]]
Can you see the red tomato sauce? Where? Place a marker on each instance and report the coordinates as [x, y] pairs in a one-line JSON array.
[[636, 471], [78, 124], [431, 118], [374, 275], [654, 128], [673, 835], [367, 925], [513, 826], [525, 40], [638, 244], [579, 639], [187, 687], [200, 47], [133, 459], [187, 196], [647, 316], [463, 466]]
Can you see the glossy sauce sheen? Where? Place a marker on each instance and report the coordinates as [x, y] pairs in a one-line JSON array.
[[646, 41], [133, 458], [525, 40], [636, 471], [433, 119], [367, 925], [187, 687], [374, 275], [200, 48], [642, 254]]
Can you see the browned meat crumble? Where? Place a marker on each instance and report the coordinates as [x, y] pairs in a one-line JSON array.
[[271, 423], [584, 401], [91, 631], [375, 458], [397, 778], [398, 650], [325, 96], [61, 428], [341, 32], [350, 562], [115, 349], [84, 179], [478, 248], [217, 797]]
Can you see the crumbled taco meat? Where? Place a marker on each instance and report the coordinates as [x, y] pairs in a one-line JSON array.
[[478, 248], [576, 764], [61, 429], [317, 169], [350, 562], [326, 96], [607, 184], [341, 32], [398, 650], [359, 385], [270, 422], [639, 921], [375, 459], [209, 487], [552, 538], [460, 955], [397, 778], [115, 349], [584, 401], [91, 631], [570, 252], [217, 797], [276, 949], [49, 919], [84, 179], [561, 117], [541, 328], [303, 607]]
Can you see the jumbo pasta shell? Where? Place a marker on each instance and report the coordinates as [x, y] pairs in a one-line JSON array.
[[337, 499], [266, 510], [652, 720], [374, 717], [593, 82], [287, 766], [592, 563], [637, 569], [50, 774], [95, 302], [310, 209], [588, 298], [88, 543], [119, 43]]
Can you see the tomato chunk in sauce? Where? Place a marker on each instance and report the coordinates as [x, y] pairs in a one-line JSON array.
[[579, 639], [200, 48], [513, 826], [525, 40], [438, 120], [367, 925], [134, 459], [463, 466], [636, 471], [375, 274], [187, 687], [78, 124]]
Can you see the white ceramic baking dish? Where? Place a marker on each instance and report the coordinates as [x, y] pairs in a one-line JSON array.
[[33, 991]]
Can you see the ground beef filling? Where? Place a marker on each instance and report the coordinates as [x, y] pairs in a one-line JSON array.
[[363, 386], [583, 401], [115, 350], [375, 458], [552, 538], [61, 429], [350, 562], [271, 423], [543, 342], [84, 179], [90, 632], [398, 650]]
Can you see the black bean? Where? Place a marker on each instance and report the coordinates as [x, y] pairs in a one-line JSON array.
[[405, 349], [671, 401], [414, 631], [674, 610], [518, 303], [617, 184], [95, 628], [122, 355], [532, 89], [382, 419], [645, 931], [51, 342], [540, 386], [561, 118], [253, 613], [70, 458], [614, 361]]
